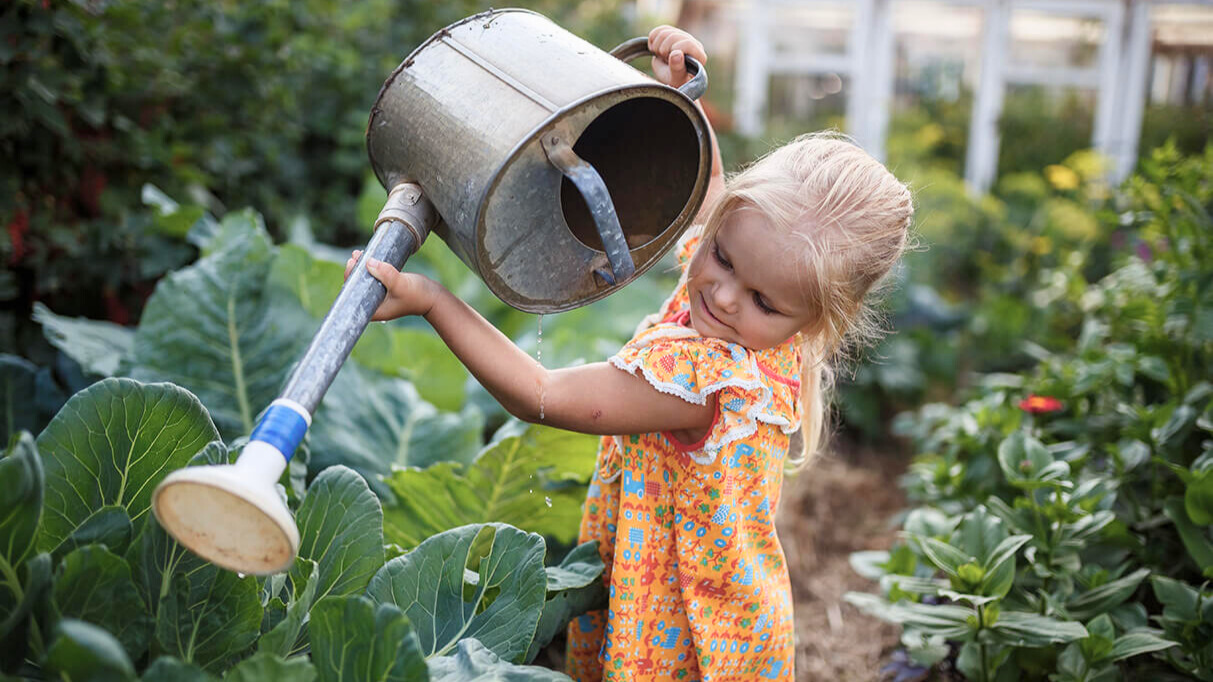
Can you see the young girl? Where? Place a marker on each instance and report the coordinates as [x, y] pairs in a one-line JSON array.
[[697, 409]]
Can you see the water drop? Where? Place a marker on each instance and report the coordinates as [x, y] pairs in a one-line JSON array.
[[547, 501], [539, 342]]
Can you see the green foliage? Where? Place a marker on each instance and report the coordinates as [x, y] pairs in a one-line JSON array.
[[357, 639], [110, 446], [229, 103], [482, 581], [531, 479], [1050, 496], [109, 610]]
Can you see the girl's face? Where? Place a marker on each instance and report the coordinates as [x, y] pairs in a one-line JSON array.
[[745, 285]]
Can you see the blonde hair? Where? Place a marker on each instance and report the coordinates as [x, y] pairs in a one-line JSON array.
[[854, 217]]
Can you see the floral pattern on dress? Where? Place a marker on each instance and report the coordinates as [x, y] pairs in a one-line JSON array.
[[696, 576]]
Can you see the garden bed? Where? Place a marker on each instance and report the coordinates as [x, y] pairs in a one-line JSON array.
[[843, 503]]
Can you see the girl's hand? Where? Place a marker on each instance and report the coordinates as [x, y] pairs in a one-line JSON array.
[[669, 45], [407, 293]]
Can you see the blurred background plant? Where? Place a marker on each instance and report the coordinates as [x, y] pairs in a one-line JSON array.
[[221, 104], [132, 130]]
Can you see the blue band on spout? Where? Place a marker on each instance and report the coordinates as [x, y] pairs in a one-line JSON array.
[[281, 427]]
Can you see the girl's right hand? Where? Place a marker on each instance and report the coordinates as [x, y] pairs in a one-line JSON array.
[[669, 45], [407, 293]]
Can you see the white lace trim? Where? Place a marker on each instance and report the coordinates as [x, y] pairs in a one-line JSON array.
[[759, 412]]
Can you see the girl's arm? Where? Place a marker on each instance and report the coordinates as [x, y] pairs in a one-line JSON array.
[[597, 398]]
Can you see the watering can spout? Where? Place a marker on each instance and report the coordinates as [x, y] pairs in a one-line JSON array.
[[233, 515]]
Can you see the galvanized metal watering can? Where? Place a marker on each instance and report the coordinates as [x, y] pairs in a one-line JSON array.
[[554, 170]]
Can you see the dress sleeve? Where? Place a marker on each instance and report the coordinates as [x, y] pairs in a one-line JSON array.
[[677, 361]]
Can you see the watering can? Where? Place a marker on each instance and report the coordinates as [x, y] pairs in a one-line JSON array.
[[554, 170]]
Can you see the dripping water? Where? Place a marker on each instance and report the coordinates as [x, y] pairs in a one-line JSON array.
[[539, 343], [539, 359]]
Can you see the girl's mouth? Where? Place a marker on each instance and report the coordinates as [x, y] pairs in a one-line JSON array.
[[703, 302]]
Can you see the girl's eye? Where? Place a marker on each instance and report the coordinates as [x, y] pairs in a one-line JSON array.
[[720, 258], [762, 304]]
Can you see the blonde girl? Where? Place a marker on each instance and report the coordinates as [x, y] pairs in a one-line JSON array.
[[697, 410]]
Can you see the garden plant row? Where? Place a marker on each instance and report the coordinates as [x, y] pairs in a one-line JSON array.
[[1063, 526], [408, 567]]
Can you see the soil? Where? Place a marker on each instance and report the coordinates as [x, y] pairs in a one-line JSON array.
[[841, 503]]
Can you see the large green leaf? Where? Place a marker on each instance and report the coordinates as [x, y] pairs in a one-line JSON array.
[[354, 640], [95, 585], [109, 526], [209, 328], [286, 637], [18, 382], [414, 354], [203, 614], [100, 347], [262, 667], [341, 529], [314, 282], [82, 651], [573, 587], [472, 662], [374, 424], [528, 478], [21, 485], [28, 585], [170, 669], [111, 444], [500, 606]]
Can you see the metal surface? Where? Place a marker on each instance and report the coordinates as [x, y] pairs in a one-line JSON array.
[[598, 200], [639, 47], [464, 116], [403, 224]]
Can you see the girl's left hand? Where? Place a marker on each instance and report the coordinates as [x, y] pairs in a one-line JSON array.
[[669, 45], [407, 293]]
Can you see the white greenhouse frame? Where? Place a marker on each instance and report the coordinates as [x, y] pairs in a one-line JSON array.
[[1119, 75]]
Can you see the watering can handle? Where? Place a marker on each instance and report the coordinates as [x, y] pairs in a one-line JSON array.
[[598, 199], [639, 47]]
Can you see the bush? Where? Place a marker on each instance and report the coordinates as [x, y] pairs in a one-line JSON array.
[[1071, 504]]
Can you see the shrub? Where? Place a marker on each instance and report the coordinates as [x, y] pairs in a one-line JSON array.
[[1083, 519]]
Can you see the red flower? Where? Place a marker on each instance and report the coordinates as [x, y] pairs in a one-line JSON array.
[[1040, 404]]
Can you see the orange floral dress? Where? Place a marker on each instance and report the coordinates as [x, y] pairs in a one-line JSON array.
[[697, 579]]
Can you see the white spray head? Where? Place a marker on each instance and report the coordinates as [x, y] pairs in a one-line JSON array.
[[232, 515]]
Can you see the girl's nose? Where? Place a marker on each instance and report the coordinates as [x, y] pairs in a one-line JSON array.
[[726, 297]]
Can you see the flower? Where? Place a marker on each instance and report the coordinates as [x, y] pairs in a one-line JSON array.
[[1061, 177], [1040, 404]]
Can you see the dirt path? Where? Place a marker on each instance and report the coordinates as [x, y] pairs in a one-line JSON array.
[[841, 504]]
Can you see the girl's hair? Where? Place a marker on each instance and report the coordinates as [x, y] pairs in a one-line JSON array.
[[853, 216]]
